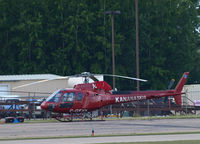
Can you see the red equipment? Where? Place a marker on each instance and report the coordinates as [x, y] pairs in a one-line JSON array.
[[91, 96]]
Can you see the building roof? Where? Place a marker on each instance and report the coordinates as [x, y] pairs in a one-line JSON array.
[[28, 77]]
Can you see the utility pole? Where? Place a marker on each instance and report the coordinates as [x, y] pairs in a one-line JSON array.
[[137, 45], [137, 53], [112, 13]]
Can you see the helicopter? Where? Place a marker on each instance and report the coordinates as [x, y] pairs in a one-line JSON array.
[[88, 97]]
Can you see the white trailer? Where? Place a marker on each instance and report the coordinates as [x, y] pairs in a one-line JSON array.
[[192, 96]]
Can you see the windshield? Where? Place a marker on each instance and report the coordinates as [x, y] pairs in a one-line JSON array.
[[55, 97]]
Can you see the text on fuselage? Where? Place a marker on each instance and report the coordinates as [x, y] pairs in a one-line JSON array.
[[129, 98]]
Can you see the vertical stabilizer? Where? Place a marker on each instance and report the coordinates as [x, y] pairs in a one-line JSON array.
[[182, 81], [179, 88]]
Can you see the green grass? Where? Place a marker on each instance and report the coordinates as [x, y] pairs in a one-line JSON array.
[[124, 118], [41, 121], [168, 142], [155, 117]]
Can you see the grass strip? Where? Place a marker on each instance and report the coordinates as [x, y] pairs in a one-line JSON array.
[[123, 118], [41, 121], [110, 135], [166, 142], [155, 117]]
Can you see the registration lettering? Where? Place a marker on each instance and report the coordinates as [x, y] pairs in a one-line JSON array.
[[77, 110], [129, 98]]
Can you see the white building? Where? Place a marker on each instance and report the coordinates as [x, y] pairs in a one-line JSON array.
[[192, 96], [41, 84]]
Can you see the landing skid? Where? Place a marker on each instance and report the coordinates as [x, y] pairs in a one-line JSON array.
[[61, 118]]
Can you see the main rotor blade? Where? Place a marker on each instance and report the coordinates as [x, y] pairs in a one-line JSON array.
[[169, 87], [93, 78], [85, 75], [38, 82], [171, 84], [126, 77]]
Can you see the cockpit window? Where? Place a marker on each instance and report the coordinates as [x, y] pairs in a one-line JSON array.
[[68, 97], [55, 97]]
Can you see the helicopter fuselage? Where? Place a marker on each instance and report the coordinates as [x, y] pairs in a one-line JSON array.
[[92, 96]]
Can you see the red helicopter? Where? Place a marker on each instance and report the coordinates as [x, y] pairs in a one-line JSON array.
[[92, 96]]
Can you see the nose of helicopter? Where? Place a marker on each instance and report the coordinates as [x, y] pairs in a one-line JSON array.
[[43, 105]]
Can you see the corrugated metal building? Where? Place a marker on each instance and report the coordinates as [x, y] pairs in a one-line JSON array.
[[192, 96]]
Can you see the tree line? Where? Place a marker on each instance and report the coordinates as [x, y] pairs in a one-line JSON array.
[[67, 37]]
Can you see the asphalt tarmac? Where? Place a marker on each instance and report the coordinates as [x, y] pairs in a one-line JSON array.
[[108, 127]]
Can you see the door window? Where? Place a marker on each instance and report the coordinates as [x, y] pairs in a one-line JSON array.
[[79, 98], [68, 97]]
